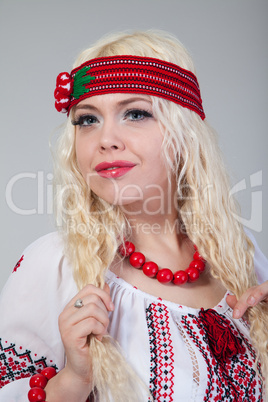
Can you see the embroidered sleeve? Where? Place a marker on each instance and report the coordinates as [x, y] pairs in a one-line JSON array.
[[38, 288]]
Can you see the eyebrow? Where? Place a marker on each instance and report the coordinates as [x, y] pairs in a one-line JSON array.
[[121, 103], [133, 99]]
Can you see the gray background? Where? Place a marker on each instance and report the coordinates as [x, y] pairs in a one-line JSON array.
[[39, 39]]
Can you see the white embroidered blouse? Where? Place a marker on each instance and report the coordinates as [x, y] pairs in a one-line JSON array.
[[164, 342]]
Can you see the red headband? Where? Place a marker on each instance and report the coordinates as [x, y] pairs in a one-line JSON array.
[[128, 74]]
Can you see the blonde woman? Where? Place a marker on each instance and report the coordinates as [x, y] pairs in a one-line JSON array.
[[144, 293]]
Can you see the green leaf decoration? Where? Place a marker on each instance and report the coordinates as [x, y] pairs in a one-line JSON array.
[[81, 79]]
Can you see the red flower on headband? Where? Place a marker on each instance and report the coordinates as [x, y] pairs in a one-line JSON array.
[[222, 341], [62, 93]]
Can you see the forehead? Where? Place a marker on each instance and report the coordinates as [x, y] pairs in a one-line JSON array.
[[114, 99]]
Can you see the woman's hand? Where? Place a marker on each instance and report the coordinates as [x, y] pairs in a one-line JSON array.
[[73, 383], [250, 298], [76, 324]]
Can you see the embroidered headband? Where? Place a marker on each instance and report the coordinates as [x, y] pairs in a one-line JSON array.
[[128, 74]]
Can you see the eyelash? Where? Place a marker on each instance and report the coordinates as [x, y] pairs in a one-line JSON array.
[[144, 113], [80, 120]]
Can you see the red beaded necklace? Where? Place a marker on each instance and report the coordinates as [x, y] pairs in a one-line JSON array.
[[164, 275]]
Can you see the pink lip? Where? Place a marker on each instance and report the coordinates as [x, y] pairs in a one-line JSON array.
[[121, 168]]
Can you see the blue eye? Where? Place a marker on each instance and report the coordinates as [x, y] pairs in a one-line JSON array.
[[85, 120], [137, 114]]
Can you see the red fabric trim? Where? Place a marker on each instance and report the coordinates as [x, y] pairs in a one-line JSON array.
[[135, 74], [162, 355], [18, 264], [235, 379], [144, 75]]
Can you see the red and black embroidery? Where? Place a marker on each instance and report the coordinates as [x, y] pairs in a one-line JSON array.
[[18, 264], [161, 350], [231, 379], [221, 338], [15, 365]]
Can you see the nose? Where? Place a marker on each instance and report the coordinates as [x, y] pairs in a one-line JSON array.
[[110, 138]]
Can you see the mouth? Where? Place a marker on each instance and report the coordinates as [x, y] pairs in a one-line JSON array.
[[114, 169]]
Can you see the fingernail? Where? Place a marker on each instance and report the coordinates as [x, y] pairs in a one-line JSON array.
[[111, 306], [236, 313], [251, 300]]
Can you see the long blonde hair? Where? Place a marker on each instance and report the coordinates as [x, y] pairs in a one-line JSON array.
[[93, 229]]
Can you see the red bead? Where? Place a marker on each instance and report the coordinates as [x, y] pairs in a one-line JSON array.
[[137, 260], [199, 264], [180, 277], [38, 380], [37, 395], [198, 256], [150, 269], [49, 372], [126, 249], [193, 274], [165, 275]]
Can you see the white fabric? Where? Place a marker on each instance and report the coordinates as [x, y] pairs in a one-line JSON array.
[[30, 304], [41, 286]]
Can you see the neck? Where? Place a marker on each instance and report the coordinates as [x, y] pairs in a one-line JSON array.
[[156, 216], [161, 230]]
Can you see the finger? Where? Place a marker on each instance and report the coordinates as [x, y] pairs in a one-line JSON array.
[[250, 298], [238, 307], [99, 313], [90, 289], [89, 326], [231, 300], [91, 319], [77, 337], [71, 315], [106, 288], [94, 308], [242, 304], [258, 294]]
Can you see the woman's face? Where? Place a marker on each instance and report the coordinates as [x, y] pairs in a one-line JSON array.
[[118, 149]]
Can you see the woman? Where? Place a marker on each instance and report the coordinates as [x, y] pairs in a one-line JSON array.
[[137, 165]]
